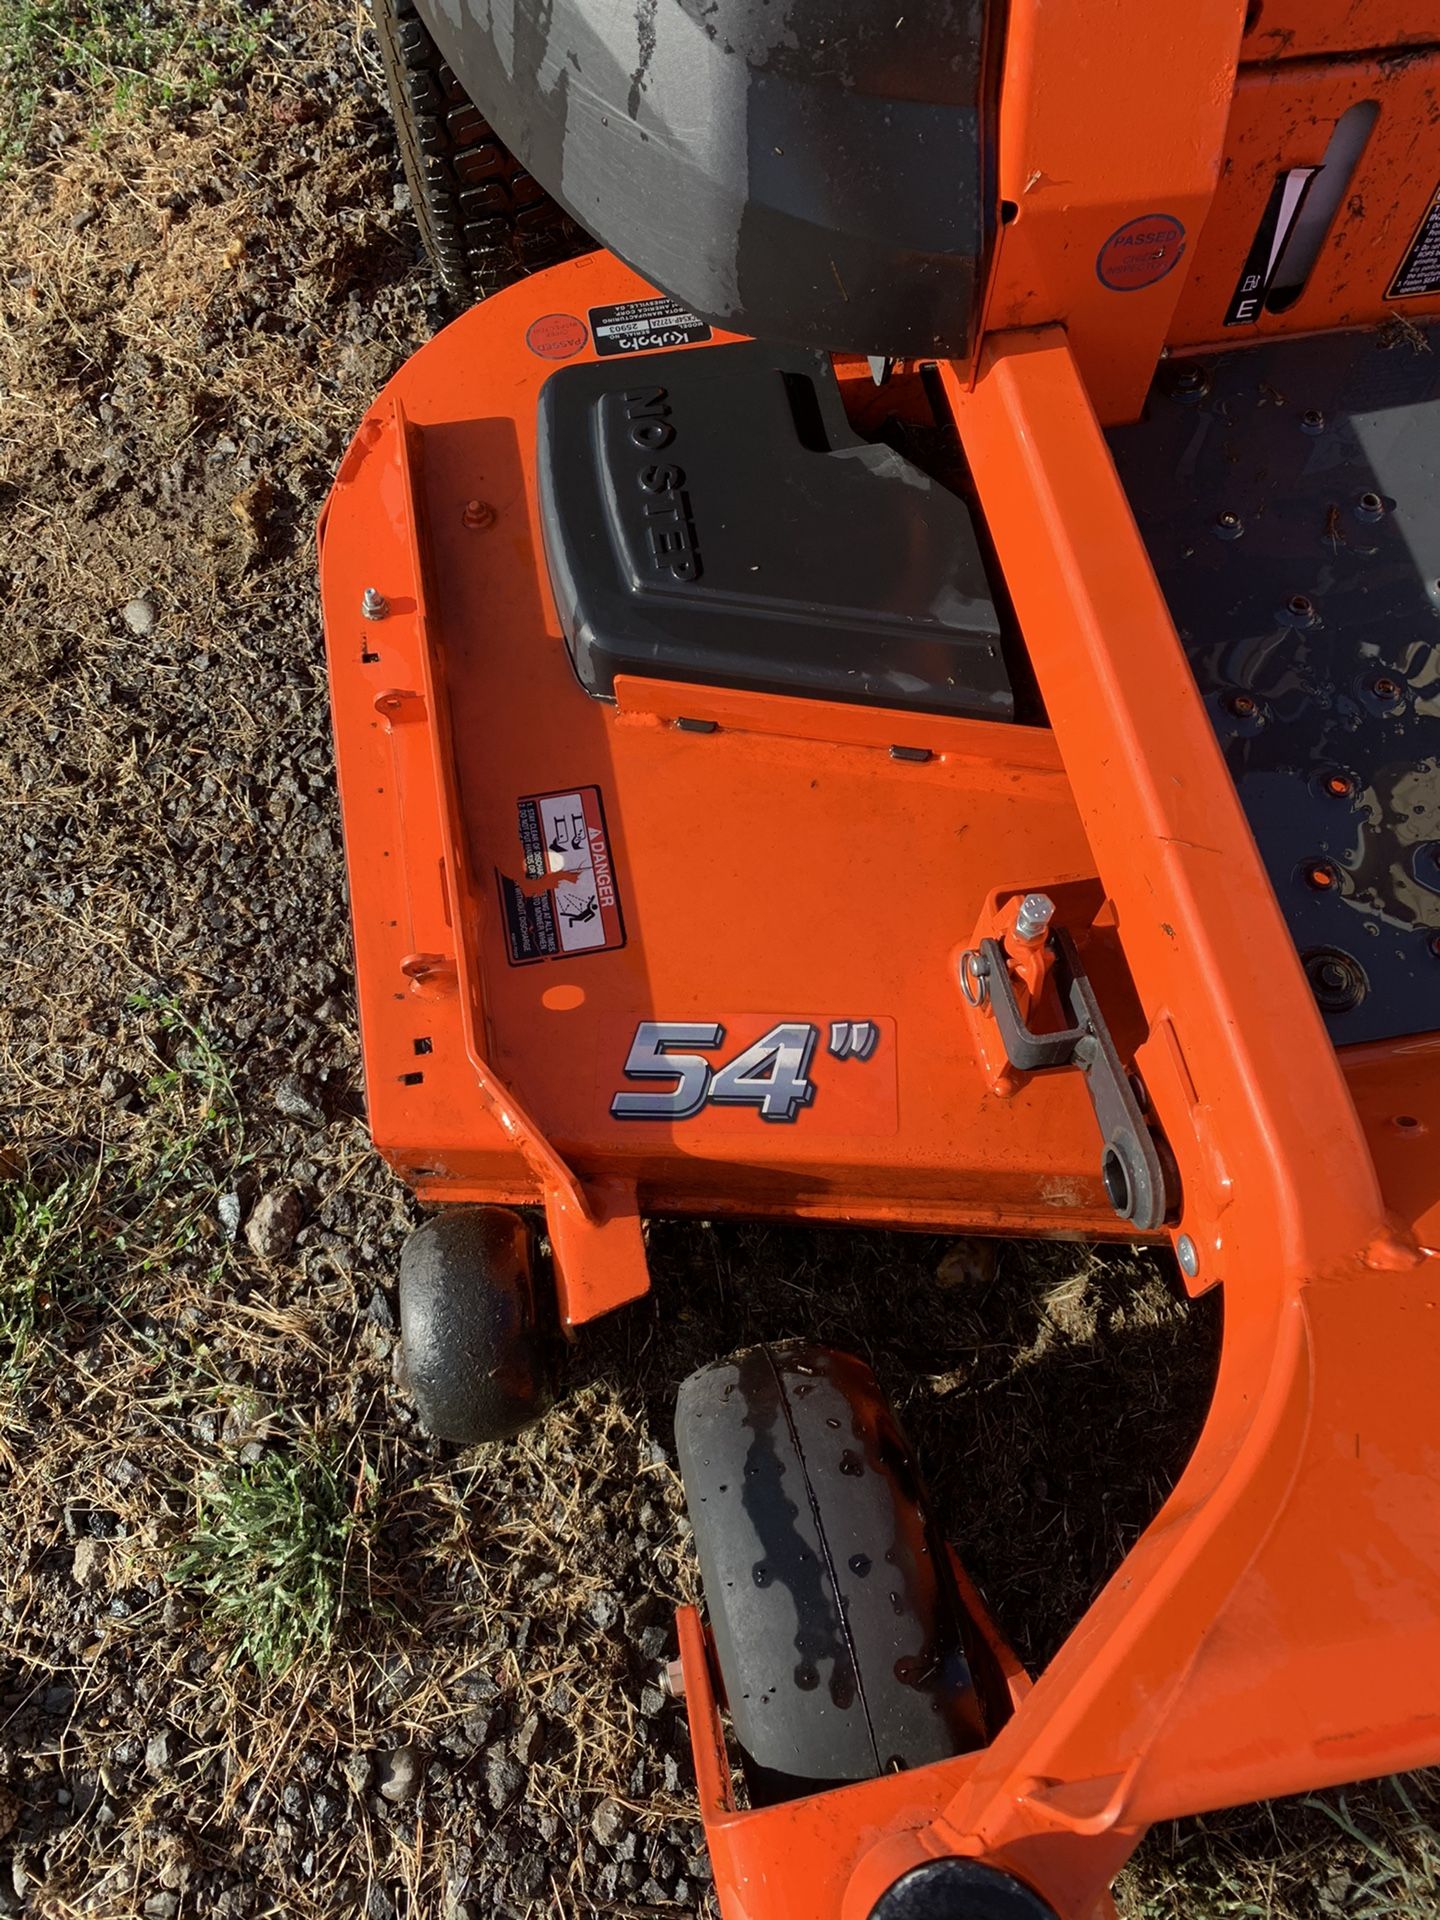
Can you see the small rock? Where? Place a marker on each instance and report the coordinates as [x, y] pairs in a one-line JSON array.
[[139, 617], [159, 1757], [503, 1778], [400, 1773], [357, 1770], [292, 1097], [163, 1906], [117, 1089], [124, 1472], [229, 1209], [379, 1312], [273, 1224], [967, 1263], [604, 1610], [90, 1567], [608, 1822], [472, 1730], [529, 1739], [9, 1814]]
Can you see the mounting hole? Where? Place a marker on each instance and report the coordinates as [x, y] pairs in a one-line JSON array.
[[1407, 1123], [563, 998], [1116, 1176], [1008, 210]]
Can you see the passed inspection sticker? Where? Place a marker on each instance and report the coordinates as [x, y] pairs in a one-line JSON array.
[[569, 903], [639, 326]]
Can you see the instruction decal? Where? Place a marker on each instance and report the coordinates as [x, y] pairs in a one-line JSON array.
[[1419, 273], [568, 903], [1141, 252], [826, 1075], [640, 326], [1277, 223]]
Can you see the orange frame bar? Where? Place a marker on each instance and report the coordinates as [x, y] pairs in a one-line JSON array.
[[1234, 1655], [1278, 1625]]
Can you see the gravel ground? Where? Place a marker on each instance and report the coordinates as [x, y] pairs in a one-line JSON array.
[[266, 1649]]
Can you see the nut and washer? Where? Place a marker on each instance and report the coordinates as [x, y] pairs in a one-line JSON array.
[[374, 605]]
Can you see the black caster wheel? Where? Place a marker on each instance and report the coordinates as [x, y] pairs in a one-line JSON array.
[[960, 1890], [474, 1358], [837, 1624]]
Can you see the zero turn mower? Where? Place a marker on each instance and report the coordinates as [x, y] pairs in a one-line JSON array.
[[907, 691]]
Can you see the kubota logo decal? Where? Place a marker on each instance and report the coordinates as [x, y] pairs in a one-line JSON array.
[[834, 1076]]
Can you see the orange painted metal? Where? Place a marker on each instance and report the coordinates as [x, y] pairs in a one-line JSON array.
[[1281, 30], [1277, 1626], [896, 856], [1111, 125], [1283, 117]]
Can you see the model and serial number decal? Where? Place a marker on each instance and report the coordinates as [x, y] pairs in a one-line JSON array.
[[571, 904], [842, 1071], [1419, 273], [1140, 253], [640, 326]]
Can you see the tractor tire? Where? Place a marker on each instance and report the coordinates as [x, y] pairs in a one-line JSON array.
[[835, 1616], [484, 220], [474, 1359]]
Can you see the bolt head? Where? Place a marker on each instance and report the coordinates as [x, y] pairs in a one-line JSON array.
[[373, 604], [1034, 915]]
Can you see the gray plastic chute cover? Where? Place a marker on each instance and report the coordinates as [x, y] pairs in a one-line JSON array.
[[806, 171]]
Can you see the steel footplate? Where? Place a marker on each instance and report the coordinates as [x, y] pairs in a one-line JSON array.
[[1289, 495]]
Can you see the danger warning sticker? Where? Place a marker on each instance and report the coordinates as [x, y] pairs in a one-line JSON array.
[[1420, 269], [639, 326], [568, 903]]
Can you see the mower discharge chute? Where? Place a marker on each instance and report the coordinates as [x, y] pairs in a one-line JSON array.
[[908, 693]]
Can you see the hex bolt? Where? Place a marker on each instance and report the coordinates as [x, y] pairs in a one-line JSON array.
[[1312, 421], [672, 1680], [374, 605], [1370, 506], [478, 514], [1036, 912], [1188, 1255], [1228, 525]]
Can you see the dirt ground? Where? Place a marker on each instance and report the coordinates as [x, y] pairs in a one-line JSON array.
[[265, 1649]]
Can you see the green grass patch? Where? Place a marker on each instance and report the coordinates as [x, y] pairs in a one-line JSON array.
[[117, 56], [269, 1556], [83, 1225], [45, 1228]]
